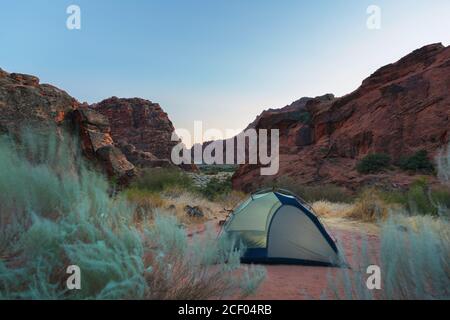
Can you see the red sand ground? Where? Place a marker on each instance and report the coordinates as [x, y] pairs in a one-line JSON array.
[[304, 282], [294, 282]]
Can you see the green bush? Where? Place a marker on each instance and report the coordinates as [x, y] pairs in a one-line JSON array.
[[418, 162], [420, 198], [373, 163], [216, 188], [56, 212], [160, 179]]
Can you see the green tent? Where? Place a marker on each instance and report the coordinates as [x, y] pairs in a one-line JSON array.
[[278, 227]]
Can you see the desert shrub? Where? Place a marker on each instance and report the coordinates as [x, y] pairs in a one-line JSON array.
[[418, 162], [373, 163], [216, 188], [173, 276], [326, 192], [159, 179], [369, 206], [56, 212], [420, 198]]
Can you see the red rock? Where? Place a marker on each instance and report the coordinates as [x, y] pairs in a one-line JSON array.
[[400, 109], [142, 129], [141, 123], [23, 101]]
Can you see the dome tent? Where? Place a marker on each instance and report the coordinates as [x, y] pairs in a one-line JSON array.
[[276, 226]]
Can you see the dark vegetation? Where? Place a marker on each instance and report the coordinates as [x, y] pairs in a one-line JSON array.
[[419, 162], [377, 162], [373, 163], [216, 188]]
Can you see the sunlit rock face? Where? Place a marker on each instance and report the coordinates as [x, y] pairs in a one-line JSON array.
[[25, 102]]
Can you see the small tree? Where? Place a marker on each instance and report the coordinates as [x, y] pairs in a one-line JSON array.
[[418, 162]]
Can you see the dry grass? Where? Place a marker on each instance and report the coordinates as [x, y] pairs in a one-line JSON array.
[[184, 283], [331, 210], [369, 207], [174, 200]]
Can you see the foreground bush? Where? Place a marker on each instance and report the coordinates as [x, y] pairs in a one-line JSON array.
[[56, 212], [373, 163]]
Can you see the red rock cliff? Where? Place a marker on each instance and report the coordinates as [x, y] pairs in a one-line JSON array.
[[140, 123], [25, 102], [400, 109]]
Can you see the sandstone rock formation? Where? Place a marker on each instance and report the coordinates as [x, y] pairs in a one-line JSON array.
[[400, 109], [140, 123], [142, 130], [25, 102]]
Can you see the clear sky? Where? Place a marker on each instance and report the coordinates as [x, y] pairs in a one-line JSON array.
[[219, 61]]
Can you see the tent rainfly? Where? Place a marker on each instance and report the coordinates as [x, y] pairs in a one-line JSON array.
[[278, 227]]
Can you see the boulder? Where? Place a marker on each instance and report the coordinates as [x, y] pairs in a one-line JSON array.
[[194, 212]]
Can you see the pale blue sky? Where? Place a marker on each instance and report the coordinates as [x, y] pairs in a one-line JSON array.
[[219, 61]]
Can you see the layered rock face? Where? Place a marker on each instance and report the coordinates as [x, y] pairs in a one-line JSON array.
[[142, 130], [140, 123], [25, 102], [402, 108]]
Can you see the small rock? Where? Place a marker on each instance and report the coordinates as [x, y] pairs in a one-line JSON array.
[[195, 212]]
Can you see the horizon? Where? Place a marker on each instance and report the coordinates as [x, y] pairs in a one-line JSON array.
[[213, 64]]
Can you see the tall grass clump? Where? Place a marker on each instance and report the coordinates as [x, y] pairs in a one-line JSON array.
[[55, 212]]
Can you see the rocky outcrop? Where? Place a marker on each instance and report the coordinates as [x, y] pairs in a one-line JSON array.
[[98, 145], [400, 109], [140, 123], [26, 102], [142, 129]]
